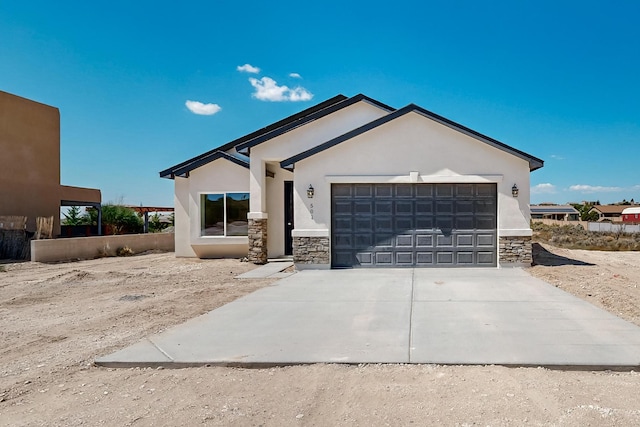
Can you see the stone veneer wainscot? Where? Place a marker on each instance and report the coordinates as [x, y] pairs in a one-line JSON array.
[[257, 241], [515, 250], [311, 250]]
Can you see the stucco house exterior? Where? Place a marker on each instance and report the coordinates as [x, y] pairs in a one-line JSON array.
[[30, 163], [352, 182]]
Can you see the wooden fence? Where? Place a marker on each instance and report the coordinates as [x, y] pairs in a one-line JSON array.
[[15, 240]]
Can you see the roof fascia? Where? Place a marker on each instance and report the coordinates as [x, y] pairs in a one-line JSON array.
[[170, 172], [183, 171], [245, 148], [534, 162]]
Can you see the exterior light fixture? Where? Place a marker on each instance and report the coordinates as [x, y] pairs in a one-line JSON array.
[[310, 191], [514, 190]]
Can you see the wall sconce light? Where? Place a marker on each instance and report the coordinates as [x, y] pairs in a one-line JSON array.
[[310, 191], [514, 190]]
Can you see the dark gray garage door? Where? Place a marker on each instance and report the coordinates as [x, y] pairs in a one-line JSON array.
[[430, 225]]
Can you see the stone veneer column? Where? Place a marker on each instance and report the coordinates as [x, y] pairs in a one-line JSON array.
[[257, 241], [311, 250], [515, 250]]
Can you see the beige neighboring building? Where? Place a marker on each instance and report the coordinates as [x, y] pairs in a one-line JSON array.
[[30, 163]]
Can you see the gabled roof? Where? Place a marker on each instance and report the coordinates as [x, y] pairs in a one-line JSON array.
[[534, 162], [184, 170], [547, 209], [611, 209], [171, 172], [245, 147]]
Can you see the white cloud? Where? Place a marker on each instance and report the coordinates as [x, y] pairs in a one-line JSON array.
[[248, 68], [556, 157], [545, 188], [295, 75], [267, 89], [202, 109], [594, 188]]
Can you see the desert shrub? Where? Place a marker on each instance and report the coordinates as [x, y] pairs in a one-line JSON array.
[[124, 251], [576, 237]]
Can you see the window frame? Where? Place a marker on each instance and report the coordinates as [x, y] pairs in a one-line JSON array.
[[202, 197]]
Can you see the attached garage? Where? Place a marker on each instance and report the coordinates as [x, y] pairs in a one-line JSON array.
[[408, 225]]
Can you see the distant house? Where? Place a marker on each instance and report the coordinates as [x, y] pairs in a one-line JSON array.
[[631, 215], [557, 212], [611, 213]]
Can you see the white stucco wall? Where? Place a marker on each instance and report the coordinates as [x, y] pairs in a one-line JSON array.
[[391, 152], [302, 139], [267, 194], [218, 176], [275, 208]]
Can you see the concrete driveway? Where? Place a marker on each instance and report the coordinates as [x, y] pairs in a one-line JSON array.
[[443, 316]]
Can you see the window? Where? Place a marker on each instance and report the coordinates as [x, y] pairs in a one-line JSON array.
[[224, 214]]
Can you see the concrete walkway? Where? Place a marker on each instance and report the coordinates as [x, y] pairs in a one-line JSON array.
[[443, 316]]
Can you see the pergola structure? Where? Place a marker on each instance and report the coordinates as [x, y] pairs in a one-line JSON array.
[[144, 210]]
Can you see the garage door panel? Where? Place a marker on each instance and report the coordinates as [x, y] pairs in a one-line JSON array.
[[404, 224], [404, 190], [424, 190], [485, 223], [486, 258], [465, 190], [444, 223], [342, 208], [403, 207], [362, 225], [444, 241], [444, 258], [485, 240], [464, 258], [383, 224], [444, 190], [464, 241], [486, 190], [424, 240], [404, 258], [464, 223], [424, 258], [343, 241], [425, 222], [363, 190], [430, 225], [383, 207], [384, 258], [444, 207], [383, 190], [404, 241]]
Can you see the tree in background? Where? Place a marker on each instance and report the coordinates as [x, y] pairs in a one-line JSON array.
[[73, 217], [155, 223], [585, 214], [117, 219]]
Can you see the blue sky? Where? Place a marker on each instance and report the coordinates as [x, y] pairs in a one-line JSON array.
[[556, 79]]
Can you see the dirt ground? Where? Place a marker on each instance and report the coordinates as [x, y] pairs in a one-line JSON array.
[[56, 318]]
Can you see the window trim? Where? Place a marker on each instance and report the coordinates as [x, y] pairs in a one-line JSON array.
[[201, 213]]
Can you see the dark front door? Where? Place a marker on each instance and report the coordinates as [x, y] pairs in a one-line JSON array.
[[288, 217]]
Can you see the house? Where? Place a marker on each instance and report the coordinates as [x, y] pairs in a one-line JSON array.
[[555, 212], [631, 215], [353, 182], [609, 212], [30, 172]]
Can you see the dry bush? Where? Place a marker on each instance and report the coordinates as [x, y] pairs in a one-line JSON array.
[[576, 237]]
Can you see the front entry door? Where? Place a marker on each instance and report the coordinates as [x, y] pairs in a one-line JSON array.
[[288, 217]]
